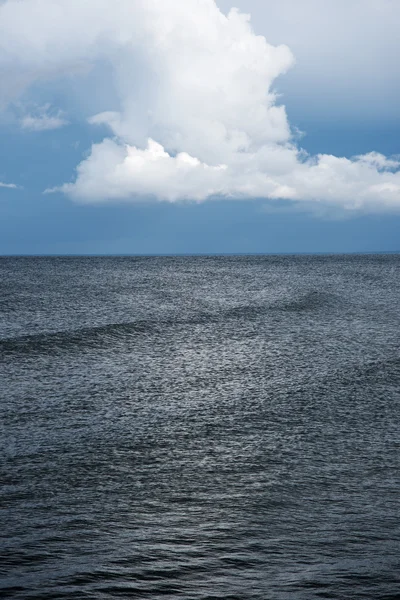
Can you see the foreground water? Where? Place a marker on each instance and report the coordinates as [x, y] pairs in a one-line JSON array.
[[200, 428]]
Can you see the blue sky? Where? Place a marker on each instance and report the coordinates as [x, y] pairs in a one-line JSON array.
[[241, 191]]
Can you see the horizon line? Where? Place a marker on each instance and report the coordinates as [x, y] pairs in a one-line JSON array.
[[199, 254]]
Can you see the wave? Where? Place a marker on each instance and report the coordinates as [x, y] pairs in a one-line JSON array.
[[65, 339], [310, 301], [113, 333]]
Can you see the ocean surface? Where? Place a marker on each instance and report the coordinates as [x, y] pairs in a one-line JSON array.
[[206, 428]]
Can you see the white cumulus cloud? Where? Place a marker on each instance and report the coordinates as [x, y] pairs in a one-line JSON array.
[[196, 115]]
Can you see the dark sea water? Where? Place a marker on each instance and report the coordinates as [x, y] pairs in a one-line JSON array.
[[200, 428]]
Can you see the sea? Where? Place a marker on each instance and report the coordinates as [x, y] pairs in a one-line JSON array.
[[201, 427]]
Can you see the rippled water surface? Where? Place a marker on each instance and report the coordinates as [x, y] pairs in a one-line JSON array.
[[200, 428]]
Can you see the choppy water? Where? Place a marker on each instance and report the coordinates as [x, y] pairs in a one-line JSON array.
[[200, 428]]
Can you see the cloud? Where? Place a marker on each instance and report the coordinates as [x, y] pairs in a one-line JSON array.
[[117, 172], [196, 114], [43, 120], [346, 54], [11, 186]]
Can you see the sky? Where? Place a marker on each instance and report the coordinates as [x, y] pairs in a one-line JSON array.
[[159, 127]]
